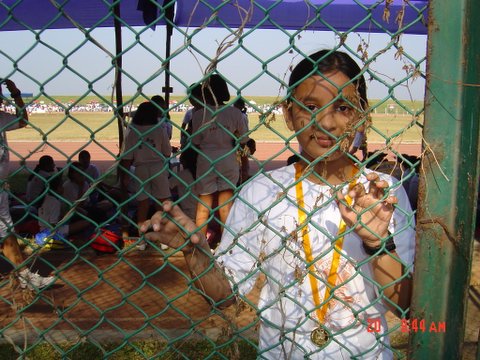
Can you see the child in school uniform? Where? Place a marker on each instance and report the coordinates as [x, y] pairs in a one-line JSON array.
[[335, 241], [215, 128], [36, 181], [53, 209], [148, 148]]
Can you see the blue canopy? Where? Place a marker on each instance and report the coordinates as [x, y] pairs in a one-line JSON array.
[[340, 15]]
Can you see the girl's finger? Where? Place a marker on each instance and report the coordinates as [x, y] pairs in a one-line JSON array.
[[357, 191], [346, 211], [145, 226], [167, 205], [392, 200], [156, 221], [372, 187]]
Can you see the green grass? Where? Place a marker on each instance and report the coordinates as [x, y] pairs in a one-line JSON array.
[[103, 126], [134, 350]]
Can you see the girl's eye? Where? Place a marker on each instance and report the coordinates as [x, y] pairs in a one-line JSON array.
[[343, 108], [312, 108]]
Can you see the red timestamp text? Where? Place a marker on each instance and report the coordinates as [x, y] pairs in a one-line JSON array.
[[421, 325]]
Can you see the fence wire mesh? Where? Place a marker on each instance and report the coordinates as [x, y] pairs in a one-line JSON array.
[[80, 227]]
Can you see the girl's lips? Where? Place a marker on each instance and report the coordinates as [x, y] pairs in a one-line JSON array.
[[324, 141]]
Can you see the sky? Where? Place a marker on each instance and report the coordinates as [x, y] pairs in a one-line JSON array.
[[63, 62]]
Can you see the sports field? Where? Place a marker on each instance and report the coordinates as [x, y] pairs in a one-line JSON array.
[[83, 126]]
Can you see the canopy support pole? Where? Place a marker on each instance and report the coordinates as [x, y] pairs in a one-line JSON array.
[[169, 8], [118, 72]]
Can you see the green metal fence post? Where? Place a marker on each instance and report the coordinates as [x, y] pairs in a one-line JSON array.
[[448, 188]]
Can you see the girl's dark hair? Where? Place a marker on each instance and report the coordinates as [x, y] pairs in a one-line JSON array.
[[146, 114], [195, 95], [326, 61], [216, 90], [160, 101], [188, 159]]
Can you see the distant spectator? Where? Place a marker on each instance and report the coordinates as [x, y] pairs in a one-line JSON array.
[[163, 115], [91, 170], [38, 178], [247, 148], [53, 209], [74, 189], [76, 185], [148, 148], [216, 130], [195, 98]]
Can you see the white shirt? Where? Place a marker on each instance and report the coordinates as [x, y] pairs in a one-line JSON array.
[[93, 172], [49, 212], [72, 191], [266, 217], [36, 185]]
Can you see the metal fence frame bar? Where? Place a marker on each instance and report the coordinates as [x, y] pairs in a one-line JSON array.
[[448, 186]]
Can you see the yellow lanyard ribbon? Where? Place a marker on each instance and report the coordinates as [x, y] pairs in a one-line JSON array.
[[332, 276]]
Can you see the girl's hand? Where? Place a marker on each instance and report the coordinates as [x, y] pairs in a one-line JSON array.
[[172, 230], [372, 224]]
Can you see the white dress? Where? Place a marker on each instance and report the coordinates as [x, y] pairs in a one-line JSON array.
[[149, 148], [261, 237], [50, 213], [218, 168], [36, 185]]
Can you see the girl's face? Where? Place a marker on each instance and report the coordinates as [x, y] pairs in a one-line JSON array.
[[323, 114]]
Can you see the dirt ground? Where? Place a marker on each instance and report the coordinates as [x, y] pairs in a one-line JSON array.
[[141, 294]]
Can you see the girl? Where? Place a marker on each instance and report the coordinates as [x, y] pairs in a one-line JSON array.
[[214, 129], [334, 244], [147, 148]]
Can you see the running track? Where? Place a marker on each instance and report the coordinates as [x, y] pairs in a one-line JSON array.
[[104, 155]]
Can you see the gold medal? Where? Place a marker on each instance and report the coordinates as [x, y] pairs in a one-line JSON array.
[[320, 337]]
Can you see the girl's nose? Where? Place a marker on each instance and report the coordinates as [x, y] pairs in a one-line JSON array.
[[325, 120]]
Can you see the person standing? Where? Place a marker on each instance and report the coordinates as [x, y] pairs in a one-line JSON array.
[[248, 148], [148, 148], [163, 115], [10, 247], [217, 131]]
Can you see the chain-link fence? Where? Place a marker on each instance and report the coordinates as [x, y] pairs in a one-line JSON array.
[[311, 248]]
